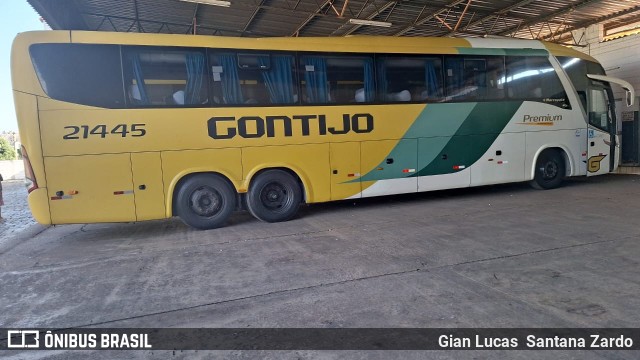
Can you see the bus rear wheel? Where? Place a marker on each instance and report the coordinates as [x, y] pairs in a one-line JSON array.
[[205, 201], [274, 196], [550, 170]]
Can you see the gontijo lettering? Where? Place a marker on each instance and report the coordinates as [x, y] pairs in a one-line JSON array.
[[227, 127]]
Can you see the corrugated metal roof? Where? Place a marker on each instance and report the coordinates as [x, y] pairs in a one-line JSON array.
[[544, 19]]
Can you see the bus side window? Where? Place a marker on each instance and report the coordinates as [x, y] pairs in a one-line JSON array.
[[534, 79], [337, 79], [495, 78], [84, 74], [253, 78], [165, 77], [474, 78], [409, 78]]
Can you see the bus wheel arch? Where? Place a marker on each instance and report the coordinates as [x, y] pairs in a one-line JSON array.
[[275, 194], [551, 166], [204, 200]]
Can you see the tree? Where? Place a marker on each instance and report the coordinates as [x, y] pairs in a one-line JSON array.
[[7, 152]]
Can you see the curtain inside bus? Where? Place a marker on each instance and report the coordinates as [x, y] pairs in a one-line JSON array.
[[431, 79], [383, 86], [315, 77], [369, 84], [455, 75], [195, 63], [230, 80], [279, 79], [137, 73]]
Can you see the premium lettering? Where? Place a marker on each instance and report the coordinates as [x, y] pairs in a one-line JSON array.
[[541, 118]]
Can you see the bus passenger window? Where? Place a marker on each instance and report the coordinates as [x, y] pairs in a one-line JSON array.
[[534, 79], [410, 78], [474, 78], [253, 79], [84, 74], [494, 87], [165, 77], [337, 79]]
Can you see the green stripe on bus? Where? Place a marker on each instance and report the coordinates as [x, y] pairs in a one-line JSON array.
[[436, 121], [472, 139], [453, 134]]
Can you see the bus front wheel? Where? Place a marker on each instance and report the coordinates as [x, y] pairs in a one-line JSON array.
[[205, 201], [274, 196], [550, 170]]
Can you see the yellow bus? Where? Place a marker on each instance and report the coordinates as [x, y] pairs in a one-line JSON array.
[[121, 127]]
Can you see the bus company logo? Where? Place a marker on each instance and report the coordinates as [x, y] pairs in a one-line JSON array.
[[594, 163], [23, 339], [551, 100], [542, 120], [248, 127]]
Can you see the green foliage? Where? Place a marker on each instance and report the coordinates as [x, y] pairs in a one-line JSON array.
[[7, 152]]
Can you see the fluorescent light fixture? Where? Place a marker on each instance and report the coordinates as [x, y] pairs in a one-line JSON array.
[[210, 2], [370, 22]]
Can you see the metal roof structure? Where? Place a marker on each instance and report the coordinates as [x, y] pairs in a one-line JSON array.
[[551, 20]]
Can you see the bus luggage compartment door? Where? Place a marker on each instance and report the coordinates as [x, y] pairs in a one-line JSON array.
[[389, 167], [148, 187], [443, 163], [345, 170], [503, 162], [90, 188]]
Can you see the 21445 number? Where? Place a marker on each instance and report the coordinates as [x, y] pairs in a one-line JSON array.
[[124, 130]]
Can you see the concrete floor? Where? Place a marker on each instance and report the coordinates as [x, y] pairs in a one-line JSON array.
[[499, 256]]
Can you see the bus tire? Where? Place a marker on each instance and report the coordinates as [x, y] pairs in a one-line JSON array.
[[274, 196], [549, 171], [205, 201]]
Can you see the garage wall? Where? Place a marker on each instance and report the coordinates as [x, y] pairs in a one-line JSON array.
[[620, 58]]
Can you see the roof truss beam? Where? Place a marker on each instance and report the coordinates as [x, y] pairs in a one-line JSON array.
[[60, 14], [194, 22], [496, 14], [564, 10], [163, 24], [428, 17], [596, 21], [253, 16], [558, 21], [370, 16], [301, 26]]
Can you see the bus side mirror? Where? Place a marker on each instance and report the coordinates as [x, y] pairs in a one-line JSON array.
[[629, 97]]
